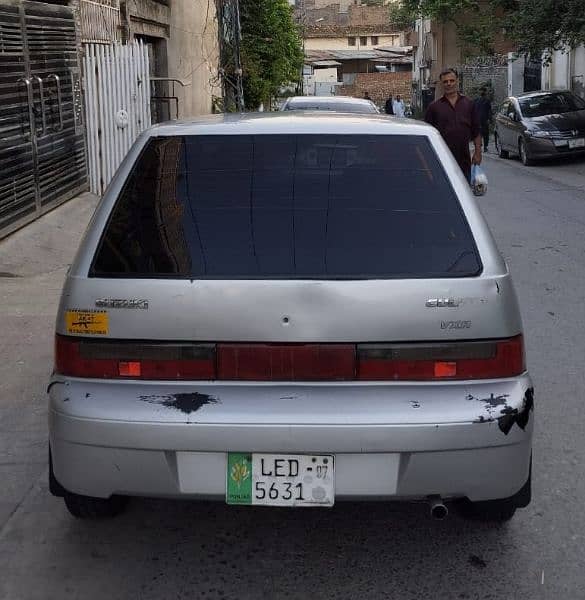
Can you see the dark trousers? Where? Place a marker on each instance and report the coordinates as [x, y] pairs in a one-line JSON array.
[[485, 134]]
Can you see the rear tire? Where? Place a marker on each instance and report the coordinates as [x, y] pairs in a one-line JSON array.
[[526, 161], [498, 144], [492, 511], [499, 511], [88, 507]]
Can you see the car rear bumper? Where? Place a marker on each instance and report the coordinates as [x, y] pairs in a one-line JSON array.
[[390, 441]]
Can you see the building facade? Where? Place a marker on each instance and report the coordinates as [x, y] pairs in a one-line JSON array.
[[182, 37], [566, 71]]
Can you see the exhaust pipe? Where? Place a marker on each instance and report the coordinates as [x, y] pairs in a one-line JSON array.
[[438, 510]]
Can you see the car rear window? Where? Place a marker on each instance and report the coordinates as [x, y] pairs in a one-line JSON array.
[[286, 207]]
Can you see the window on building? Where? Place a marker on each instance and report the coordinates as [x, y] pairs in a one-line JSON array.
[[374, 40], [363, 40], [351, 41]]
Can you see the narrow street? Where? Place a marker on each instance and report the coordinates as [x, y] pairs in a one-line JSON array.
[[165, 549]]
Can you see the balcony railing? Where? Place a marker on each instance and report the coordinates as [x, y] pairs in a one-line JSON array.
[[100, 21]]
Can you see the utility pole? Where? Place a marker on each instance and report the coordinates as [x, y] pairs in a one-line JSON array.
[[302, 20]]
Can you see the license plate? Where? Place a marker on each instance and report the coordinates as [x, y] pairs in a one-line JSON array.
[[578, 143], [280, 479]]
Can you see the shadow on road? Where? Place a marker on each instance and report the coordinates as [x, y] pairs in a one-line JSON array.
[[208, 550]]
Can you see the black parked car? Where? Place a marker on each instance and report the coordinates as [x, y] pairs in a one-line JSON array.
[[540, 125]]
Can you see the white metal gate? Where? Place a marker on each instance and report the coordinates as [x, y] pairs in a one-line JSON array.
[[117, 101]]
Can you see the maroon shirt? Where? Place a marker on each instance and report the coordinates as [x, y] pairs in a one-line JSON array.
[[458, 125]]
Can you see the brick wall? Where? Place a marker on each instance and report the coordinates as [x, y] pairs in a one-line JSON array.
[[329, 15], [368, 15], [380, 86], [344, 4]]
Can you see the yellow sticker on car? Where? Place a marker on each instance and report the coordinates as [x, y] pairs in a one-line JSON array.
[[88, 322]]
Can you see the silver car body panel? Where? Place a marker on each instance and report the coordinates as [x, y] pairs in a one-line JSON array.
[[449, 438], [429, 437]]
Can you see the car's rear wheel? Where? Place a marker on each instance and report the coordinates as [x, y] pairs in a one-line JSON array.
[[85, 507], [501, 153], [526, 160], [499, 511], [492, 511], [88, 507]]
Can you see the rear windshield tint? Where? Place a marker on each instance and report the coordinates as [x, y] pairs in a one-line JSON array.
[[286, 206]]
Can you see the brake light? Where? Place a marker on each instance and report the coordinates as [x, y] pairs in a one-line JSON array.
[[453, 360], [79, 357]]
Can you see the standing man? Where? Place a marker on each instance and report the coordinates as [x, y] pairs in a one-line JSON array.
[[367, 95], [399, 106], [455, 117], [389, 106], [483, 106]]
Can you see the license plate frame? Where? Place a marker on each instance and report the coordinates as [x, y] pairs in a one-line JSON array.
[[285, 480], [577, 143]]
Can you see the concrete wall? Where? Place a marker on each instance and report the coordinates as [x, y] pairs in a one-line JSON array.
[[515, 74], [442, 51], [340, 43], [566, 71], [448, 52], [578, 71], [193, 53], [329, 74], [184, 38]]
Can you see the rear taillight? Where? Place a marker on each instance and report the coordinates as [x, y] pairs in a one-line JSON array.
[[80, 357], [113, 359], [453, 360]]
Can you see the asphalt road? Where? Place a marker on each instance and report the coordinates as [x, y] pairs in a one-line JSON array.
[[164, 549]]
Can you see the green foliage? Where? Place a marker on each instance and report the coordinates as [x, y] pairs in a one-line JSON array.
[[271, 52], [533, 25], [401, 17], [539, 25]]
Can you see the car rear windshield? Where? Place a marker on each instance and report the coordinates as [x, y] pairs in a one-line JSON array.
[[550, 104], [286, 207]]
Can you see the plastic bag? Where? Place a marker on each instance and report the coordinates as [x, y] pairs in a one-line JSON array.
[[479, 181]]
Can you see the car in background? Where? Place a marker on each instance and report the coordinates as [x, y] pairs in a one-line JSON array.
[[290, 309], [344, 104], [539, 125]]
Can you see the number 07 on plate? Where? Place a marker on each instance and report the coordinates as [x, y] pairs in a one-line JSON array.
[[280, 479]]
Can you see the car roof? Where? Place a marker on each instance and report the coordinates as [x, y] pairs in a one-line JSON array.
[[328, 99], [538, 93], [291, 122]]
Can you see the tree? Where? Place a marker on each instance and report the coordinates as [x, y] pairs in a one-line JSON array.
[[533, 25], [271, 51], [538, 25]]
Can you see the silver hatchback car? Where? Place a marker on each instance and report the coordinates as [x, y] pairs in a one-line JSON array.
[[290, 309]]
